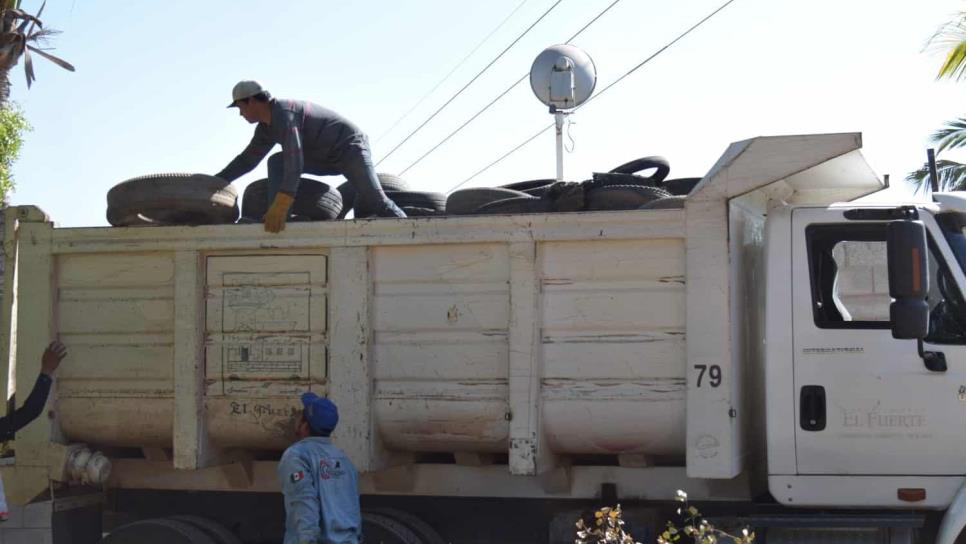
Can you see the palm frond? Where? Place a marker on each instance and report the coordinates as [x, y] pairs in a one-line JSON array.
[[954, 67], [58, 61], [30, 30], [951, 136], [28, 67], [951, 38], [952, 176]]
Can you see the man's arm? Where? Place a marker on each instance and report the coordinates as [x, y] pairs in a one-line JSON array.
[[35, 402], [301, 497], [293, 159], [260, 145]]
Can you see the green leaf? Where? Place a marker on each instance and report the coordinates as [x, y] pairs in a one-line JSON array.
[[951, 136], [952, 176]]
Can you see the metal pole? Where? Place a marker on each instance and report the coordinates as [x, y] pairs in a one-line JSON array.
[[559, 121], [933, 176]]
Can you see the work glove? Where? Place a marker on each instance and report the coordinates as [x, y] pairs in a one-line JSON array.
[[278, 212]]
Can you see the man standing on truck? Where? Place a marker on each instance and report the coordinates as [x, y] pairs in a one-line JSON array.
[[33, 406], [319, 482], [314, 140]]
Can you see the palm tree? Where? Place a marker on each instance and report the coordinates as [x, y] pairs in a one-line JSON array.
[[20, 34], [951, 38]]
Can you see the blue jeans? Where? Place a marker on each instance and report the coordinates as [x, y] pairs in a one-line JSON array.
[[355, 163]]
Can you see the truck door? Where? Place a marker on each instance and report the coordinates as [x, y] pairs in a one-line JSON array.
[[865, 402]]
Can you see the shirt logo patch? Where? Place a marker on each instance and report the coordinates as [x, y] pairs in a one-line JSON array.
[[297, 476], [329, 468]]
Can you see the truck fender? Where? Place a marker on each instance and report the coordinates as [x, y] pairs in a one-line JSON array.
[[955, 519]]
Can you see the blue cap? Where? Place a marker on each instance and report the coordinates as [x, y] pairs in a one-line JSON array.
[[320, 412]]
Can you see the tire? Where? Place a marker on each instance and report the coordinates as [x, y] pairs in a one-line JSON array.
[[516, 205], [415, 199], [172, 199], [381, 529], [466, 201], [423, 530], [314, 201], [388, 182], [157, 531], [215, 531], [603, 179], [534, 187], [622, 197], [680, 186], [646, 163], [667, 203]]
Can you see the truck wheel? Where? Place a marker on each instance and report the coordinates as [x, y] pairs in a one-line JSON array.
[[215, 531], [314, 200], [622, 197], [663, 168], [157, 531], [172, 199], [423, 530], [466, 201], [381, 529], [388, 182]]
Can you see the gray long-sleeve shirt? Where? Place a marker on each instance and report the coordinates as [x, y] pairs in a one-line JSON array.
[[305, 130]]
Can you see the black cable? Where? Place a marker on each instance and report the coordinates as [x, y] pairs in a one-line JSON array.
[[602, 91], [501, 95], [451, 72], [487, 67]]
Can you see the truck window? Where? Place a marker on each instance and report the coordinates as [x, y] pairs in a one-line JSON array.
[[849, 275], [849, 278]]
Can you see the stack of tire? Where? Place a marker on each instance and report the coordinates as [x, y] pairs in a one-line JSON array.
[[199, 199], [172, 199], [623, 188], [414, 203]]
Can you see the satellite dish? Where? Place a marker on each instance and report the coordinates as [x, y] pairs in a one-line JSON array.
[[563, 77]]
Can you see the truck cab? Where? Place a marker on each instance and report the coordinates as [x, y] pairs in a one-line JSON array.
[[857, 415]]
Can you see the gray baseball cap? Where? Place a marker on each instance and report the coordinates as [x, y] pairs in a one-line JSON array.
[[244, 89]]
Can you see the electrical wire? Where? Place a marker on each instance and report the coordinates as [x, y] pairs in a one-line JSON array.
[[487, 67], [501, 95], [602, 91], [451, 72]]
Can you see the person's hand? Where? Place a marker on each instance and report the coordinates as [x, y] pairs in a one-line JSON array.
[[53, 355], [278, 212]]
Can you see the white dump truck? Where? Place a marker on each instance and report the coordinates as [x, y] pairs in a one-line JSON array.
[[793, 359]]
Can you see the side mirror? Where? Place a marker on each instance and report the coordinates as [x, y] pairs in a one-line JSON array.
[[908, 279]]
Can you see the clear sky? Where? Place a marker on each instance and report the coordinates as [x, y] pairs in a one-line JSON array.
[[153, 79]]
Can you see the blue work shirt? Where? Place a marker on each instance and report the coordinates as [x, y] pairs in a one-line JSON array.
[[321, 491], [306, 131]]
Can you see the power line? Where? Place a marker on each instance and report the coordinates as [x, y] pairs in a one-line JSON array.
[[451, 72], [501, 95], [602, 91], [487, 67], [464, 125], [507, 154]]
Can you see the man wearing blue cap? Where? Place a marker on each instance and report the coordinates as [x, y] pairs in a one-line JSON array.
[[319, 482], [314, 140]]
